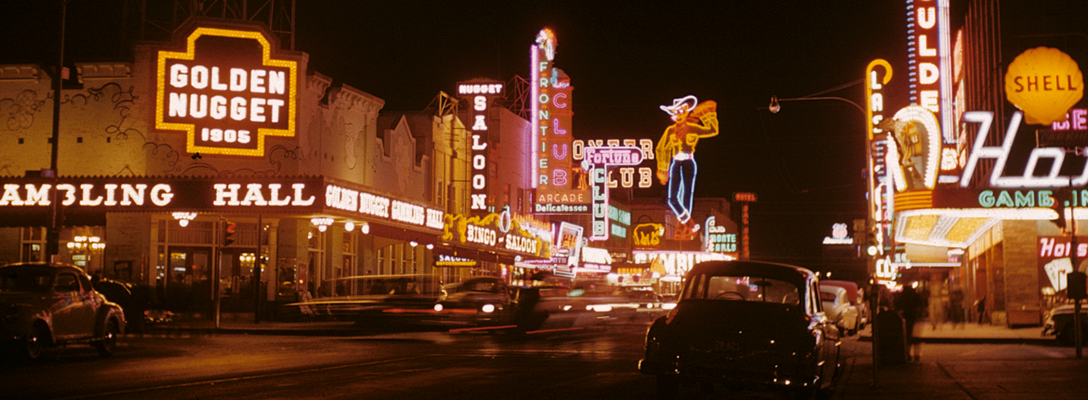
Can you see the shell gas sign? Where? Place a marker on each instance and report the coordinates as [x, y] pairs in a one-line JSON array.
[[226, 92], [1045, 83]]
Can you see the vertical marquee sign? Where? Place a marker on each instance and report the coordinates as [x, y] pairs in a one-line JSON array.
[[553, 173], [929, 61], [226, 92], [480, 94], [597, 161], [881, 193]]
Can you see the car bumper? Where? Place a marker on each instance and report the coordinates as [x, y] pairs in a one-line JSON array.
[[771, 370]]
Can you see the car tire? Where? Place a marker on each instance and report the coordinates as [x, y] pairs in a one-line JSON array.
[[668, 387], [35, 342], [108, 341]]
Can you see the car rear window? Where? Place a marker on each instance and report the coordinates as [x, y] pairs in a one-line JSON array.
[[27, 279], [743, 288], [825, 296]]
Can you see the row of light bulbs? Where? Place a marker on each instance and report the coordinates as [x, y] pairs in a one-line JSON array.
[[322, 224]]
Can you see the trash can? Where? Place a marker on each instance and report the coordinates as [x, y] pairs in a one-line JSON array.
[[891, 338]]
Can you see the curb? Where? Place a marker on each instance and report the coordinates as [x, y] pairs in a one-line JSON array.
[[940, 340]]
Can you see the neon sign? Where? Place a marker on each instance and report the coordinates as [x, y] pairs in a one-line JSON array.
[[443, 260], [89, 194], [676, 164], [648, 235], [1001, 155], [916, 138], [930, 71], [1075, 120], [597, 161], [481, 93], [838, 235], [229, 95], [373, 205], [627, 175], [598, 259], [881, 190], [88, 199], [716, 239], [493, 231], [676, 262], [620, 220], [560, 185]]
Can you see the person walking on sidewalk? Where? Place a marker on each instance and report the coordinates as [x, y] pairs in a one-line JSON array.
[[955, 306], [910, 305], [980, 306]]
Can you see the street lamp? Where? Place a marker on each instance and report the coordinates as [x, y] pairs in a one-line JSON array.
[[774, 107]]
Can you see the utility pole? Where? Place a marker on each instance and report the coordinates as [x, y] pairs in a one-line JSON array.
[[52, 234]]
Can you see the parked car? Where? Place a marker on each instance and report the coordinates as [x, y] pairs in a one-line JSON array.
[[856, 296], [51, 304], [133, 299], [744, 324], [837, 305], [1059, 323]]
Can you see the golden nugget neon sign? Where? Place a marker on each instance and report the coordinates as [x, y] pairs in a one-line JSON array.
[[228, 95]]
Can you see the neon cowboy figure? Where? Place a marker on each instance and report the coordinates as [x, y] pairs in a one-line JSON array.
[[675, 152]]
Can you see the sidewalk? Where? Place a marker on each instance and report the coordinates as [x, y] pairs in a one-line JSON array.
[[972, 333], [925, 379], [243, 323]]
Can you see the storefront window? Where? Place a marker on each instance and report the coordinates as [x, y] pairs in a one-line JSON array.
[[381, 260], [349, 267], [317, 282], [33, 244]]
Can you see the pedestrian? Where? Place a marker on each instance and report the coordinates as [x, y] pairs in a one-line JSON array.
[[955, 306], [980, 306], [910, 306], [934, 302]]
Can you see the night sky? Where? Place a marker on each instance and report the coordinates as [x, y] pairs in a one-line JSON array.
[[625, 58]]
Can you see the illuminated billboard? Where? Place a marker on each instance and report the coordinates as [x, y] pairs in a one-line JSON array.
[[226, 92], [480, 94]]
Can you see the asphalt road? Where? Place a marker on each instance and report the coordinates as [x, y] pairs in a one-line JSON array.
[[593, 363]]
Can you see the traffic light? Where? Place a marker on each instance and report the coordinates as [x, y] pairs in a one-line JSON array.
[[228, 233], [872, 245]]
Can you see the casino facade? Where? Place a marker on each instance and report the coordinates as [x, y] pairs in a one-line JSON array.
[[217, 160]]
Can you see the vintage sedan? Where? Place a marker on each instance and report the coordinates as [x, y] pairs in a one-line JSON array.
[[1059, 323], [837, 305], [744, 324], [854, 293], [51, 304]]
